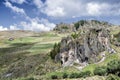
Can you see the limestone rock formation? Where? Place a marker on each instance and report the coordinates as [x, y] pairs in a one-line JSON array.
[[85, 49]]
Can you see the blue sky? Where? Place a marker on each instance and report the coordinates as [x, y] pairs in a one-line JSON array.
[[43, 15]]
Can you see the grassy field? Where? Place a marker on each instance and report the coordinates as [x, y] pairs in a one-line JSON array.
[[42, 43], [31, 50]]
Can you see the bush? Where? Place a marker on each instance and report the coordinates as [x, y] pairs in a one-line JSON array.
[[113, 67], [80, 23], [81, 74], [73, 75], [54, 77], [112, 77], [75, 35], [86, 74], [64, 27], [76, 25], [55, 50], [65, 75], [31, 78], [101, 71]]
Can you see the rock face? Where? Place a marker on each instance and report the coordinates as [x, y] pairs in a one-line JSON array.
[[85, 49]]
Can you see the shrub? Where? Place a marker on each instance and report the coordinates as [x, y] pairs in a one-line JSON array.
[[64, 27], [75, 35], [81, 74], [113, 67], [86, 74], [54, 77], [101, 71], [82, 22], [65, 75], [76, 25], [55, 50], [112, 77], [31, 78], [117, 36], [73, 75]]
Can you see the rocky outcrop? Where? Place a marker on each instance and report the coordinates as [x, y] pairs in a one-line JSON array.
[[86, 48], [63, 28], [84, 24]]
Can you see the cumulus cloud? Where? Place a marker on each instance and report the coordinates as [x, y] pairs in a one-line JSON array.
[[61, 8], [79, 8], [33, 24], [18, 1], [13, 27], [38, 3], [54, 10], [36, 24], [96, 9], [14, 8], [3, 28]]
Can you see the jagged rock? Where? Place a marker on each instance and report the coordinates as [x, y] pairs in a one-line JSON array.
[[84, 24], [86, 49]]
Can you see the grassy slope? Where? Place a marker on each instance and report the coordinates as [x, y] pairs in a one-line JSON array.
[[12, 52], [42, 43]]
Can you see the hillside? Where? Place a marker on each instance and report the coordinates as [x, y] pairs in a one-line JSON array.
[[28, 55]]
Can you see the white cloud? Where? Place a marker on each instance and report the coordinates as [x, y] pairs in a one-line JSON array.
[[18, 1], [97, 9], [78, 8], [47, 24], [38, 25], [33, 24], [93, 9], [14, 8], [58, 11], [38, 3], [61, 8], [3, 28], [11, 27], [14, 27]]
